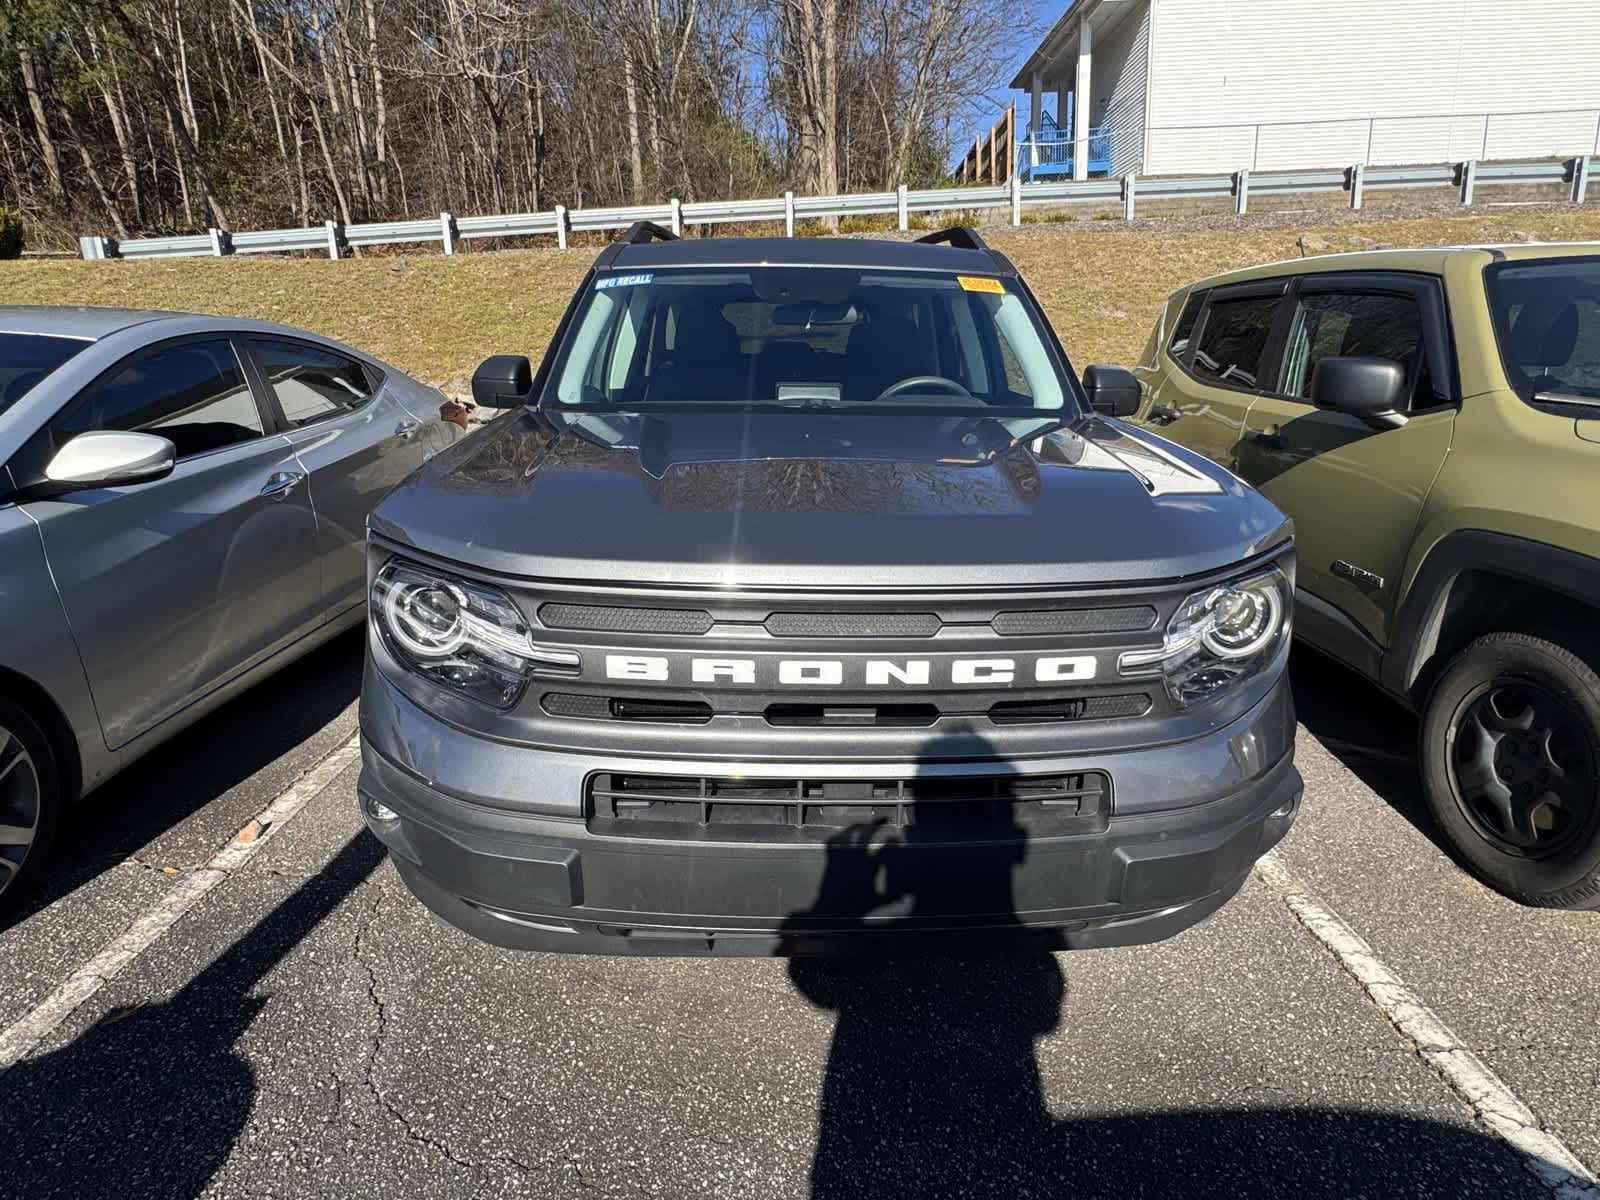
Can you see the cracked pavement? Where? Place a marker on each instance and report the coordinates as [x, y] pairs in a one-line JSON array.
[[308, 1030]]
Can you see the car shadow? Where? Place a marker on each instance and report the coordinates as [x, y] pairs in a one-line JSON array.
[[1367, 731], [184, 774], [933, 1086], [150, 1101]]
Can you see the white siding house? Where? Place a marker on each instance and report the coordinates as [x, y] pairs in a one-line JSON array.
[[1196, 86]]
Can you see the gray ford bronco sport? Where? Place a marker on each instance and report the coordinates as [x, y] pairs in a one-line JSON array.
[[806, 602]]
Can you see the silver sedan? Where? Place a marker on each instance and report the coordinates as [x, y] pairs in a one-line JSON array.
[[183, 505]]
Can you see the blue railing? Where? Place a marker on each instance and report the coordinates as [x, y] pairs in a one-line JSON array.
[[1049, 153]]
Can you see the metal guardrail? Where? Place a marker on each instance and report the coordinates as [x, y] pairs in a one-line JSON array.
[[1129, 191]]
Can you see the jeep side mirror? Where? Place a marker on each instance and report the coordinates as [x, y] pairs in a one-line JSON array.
[[1370, 389], [1113, 391], [502, 381], [110, 458]]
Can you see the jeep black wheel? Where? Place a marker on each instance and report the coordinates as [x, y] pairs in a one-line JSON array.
[[29, 801], [1511, 765]]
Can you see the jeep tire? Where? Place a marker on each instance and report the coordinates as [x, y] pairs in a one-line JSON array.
[[1510, 759]]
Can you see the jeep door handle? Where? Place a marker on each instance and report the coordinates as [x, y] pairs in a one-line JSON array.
[[1164, 414], [407, 430], [281, 484], [1267, 439]]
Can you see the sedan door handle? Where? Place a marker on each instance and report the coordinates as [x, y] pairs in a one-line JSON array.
[[1164, 414], [407, 430], [281, 483]]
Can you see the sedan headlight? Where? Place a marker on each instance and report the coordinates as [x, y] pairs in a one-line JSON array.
[[1217, 638], [461, 635]]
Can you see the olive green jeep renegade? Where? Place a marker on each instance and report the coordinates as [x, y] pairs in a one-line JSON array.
[[1430, 419]]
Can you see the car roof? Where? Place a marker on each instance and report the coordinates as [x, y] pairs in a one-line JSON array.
[[881, 253], [1426, 260], [85, 322]]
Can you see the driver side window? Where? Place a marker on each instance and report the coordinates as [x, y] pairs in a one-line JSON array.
[[192, 393], [1354, 324]]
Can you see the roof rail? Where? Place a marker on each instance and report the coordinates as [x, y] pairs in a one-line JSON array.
[[641, 232], [961, 237]]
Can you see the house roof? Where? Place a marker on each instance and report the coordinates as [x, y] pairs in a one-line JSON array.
[[1101, 14]]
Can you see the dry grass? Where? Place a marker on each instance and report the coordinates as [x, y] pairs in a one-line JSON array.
[[438, 317]]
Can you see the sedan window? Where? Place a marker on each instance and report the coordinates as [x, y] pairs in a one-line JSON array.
[[192, 393], [26, 358], [310, 383]]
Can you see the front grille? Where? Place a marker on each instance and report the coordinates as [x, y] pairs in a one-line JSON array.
[[1071, 708], [1130, 619], [853, 624], [710, 807], [610, 619], [625, 708]]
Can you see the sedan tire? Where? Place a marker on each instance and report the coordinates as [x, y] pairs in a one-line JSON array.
[[30, 802]]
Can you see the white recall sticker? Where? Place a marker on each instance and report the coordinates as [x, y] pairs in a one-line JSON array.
[[616, 281]]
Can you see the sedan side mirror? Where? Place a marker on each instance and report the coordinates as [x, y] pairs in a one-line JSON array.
[[1370, 389], [502, 381], [107, 458], [1113, 391]]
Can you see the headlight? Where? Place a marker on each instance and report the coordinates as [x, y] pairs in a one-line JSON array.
[[464, 636], [1218, 637]]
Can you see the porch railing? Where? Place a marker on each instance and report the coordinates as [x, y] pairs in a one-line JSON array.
[[1049, 153]]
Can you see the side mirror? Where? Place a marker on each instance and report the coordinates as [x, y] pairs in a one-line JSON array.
[[502, 381], [1370, 389], [105, 458], [1113, 391]]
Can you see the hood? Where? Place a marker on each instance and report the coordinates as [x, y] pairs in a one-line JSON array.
[[828, 501]]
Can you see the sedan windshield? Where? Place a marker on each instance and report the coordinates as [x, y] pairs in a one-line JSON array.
[[26, 358], [1547, 319], [789, 339]]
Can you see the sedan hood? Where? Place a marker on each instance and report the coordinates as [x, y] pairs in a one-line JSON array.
[[827, 501]]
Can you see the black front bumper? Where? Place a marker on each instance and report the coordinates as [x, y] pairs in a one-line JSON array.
[[536, 881]]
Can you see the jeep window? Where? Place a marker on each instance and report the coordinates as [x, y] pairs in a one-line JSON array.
[[790, 339], [26, 358], [1178, 347], [1233, 339], [1547, 321], [1365, 324]]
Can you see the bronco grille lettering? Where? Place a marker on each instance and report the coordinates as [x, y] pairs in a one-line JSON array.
[[872, 672]]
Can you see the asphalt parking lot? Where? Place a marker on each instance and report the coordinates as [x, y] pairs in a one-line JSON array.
[[303, 1028]]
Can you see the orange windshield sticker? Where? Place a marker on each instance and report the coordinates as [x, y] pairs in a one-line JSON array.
[[979, 283]]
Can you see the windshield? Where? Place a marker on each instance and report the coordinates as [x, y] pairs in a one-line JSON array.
[[790, 339], [26, 358], [1547, 320]]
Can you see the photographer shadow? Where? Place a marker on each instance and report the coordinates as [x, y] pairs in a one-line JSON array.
[[932, 1087]]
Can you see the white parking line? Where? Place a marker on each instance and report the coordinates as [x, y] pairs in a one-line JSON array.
[[1497, 1107], [147, 928]]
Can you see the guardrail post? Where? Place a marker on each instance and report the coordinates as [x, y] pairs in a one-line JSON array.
[[1580, 178], [788, 214], [333, 239], [447, 228], [1016, 200], [1241, 192], [217, 235], [561, 226], [1358, 180], [1128, 186], [900, 206], [1469, 177], [677, 217]]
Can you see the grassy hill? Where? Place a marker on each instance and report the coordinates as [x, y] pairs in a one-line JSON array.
[[437, 317]]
